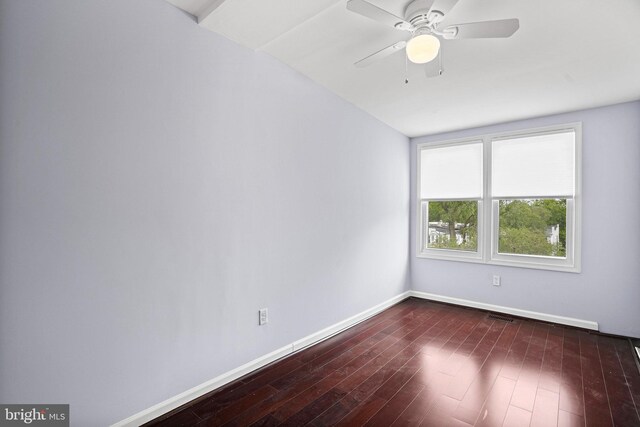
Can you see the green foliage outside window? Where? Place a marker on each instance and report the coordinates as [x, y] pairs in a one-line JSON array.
[[526, 227], [453, 225]]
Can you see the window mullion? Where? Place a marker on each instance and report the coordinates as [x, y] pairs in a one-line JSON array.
[[531, 240], [487, 232]]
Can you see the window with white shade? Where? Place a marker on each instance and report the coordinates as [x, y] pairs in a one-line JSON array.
[[509, 198], [451, 184]]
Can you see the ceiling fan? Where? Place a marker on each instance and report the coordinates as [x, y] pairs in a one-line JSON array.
[[422, 19]]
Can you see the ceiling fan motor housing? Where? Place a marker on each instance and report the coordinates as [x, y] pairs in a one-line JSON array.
[[422, 19], [419, 14]]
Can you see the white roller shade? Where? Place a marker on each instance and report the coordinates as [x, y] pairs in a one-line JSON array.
[[452, 172], [535, 166]]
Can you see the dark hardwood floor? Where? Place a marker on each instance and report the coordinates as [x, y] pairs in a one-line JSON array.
[[431, 364]]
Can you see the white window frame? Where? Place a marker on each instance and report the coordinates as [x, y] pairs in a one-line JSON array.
[[423, 212], [488, 217]]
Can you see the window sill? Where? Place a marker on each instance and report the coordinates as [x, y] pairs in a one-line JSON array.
[[452, 257], [505, 263]]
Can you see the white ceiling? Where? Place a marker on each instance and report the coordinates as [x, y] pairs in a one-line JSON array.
[[567, 55]]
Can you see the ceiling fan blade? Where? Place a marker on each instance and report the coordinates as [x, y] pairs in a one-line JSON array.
[[434, 68], [443, 6], [382, 53], [480, 30], [371, 11]]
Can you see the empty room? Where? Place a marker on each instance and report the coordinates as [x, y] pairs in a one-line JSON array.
[[319, 212]]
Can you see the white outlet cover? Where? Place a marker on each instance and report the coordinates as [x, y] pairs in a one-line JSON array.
[[263, 316]]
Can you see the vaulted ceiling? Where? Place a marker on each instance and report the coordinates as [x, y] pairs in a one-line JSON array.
[[567, 55]]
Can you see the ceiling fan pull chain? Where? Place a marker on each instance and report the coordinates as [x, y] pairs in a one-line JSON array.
[[406, 70]]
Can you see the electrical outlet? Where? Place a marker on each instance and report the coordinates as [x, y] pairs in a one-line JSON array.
[[496, 280], [263, 316]]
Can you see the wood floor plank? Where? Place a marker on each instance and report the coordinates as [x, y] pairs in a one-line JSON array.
[[623, 410], [302, 382], [545, 409], [365, 384], [400, 313], [441, 412], [184, 418], [571, 387], [420, 406], [363, 412], [477, 357], [416, 411], [225, 397], [495, 407], [569, 419], [317, 406], [551, 371], [433, 364], [596, 401], [524, 394], [360, 388], [383, 394], [401, 376], [517, 417], [398, 403], [297, 403], [472, 402], [332, 379], [515, 357], [212, 417], [309, 404], [630, 369]]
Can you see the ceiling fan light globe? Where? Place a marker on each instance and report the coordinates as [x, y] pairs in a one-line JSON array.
[[423, 48]]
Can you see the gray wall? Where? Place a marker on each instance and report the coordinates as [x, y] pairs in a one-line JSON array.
[[160, 184], [608, 289]]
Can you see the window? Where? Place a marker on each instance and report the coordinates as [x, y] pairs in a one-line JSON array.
[[451, 199], [509, 199]]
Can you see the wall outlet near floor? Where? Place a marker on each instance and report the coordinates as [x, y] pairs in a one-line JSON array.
[[263, 316], [496, 280]]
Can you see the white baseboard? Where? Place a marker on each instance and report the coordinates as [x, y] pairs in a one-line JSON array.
[[347, 323], [586, 324], [217, 382], [206, 387]]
